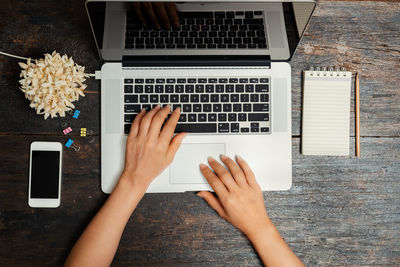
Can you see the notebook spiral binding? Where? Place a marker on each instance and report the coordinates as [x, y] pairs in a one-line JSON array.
[[328, 71]]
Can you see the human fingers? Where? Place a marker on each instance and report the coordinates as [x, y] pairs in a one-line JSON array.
[[158, 120], [136, 122], [250, 177], [235, 170], [146, 121], [150, 15], [169, 127], [223, 174], [213, 202], [172, 14], [138, 11], [175, 144], [162, 16], [214, 181]]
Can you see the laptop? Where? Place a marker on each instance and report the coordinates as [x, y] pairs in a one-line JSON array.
[[224, 63]]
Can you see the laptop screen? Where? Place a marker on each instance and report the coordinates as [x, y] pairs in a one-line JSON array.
[[192, 28]]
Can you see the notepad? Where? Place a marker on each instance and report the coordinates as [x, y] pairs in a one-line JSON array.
[[326, 113]]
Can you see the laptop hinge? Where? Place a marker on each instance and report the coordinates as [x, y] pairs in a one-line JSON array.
[[197, 61]]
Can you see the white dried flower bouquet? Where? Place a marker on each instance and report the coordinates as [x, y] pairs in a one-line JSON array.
[[52, 84]]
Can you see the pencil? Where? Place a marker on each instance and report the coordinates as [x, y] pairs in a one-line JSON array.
[[357, 115]]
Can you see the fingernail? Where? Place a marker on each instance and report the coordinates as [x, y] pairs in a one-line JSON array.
[[238, 157], [202, 166], [211, 159], [158, 106], [223, 157]]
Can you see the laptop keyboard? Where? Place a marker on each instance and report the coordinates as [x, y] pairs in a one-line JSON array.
[[201, 30], [208, 105]]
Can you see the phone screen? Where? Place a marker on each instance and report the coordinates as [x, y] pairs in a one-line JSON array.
[[45, 174]]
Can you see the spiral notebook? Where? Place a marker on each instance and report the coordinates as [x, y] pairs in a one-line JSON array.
[[326, 112]]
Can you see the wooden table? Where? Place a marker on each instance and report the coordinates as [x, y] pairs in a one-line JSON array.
[[339, 211]]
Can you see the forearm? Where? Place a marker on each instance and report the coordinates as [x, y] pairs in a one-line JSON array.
[[99, 242], [272, 249]]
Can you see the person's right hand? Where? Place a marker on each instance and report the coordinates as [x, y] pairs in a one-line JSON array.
[[239, 198], [156, 14]]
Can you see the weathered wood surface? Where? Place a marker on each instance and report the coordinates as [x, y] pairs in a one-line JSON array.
[[340, 210]]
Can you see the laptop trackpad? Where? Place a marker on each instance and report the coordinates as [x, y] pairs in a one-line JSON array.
[[185, 167]]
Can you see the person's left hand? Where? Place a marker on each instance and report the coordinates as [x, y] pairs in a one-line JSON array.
[[150, 149]]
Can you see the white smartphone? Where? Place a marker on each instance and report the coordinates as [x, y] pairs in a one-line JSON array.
[[45, 163]]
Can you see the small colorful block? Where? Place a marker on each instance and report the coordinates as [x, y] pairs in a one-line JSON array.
[[67, 130], [83, 131], [76, 114], [69, 143]]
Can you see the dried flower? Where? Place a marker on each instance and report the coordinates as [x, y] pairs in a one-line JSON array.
[[52, 84]]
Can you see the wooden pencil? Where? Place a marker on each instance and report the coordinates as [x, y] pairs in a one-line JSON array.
[[357, 115]]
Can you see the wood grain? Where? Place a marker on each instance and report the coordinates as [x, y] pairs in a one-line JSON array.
[[340, 211]]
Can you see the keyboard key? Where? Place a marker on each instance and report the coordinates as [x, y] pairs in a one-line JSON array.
[[148, 88], [212, 117], [202, 80], [223, 127], [189, 88], [129, 117], [191, 80], [144, 98], [204, 98], [192, 117], [138, 89], [139, 80], [132, 108], [264, 80], [147, 107], [255, 130], [217, 107], [159, 89], [160, 80], [232, 116], [131, 98], [260, 107], [249, 88], [214, 98], [181, 81], [209, 88], [153, 98], [246, 107], [222, 117], [222, 80], [219, 88], [194, 98], [202, 117], [258, 117], [233, 80], [127, 128], [182, 118], [128, 89], [229, 88], [199, 88], [234, 98], [227, 107], [234, 127], [264, 97], [254, 97], [164, 98], [174, 98], [128, 80], [243, 80], [237, 107], [196, 127], [169, 88], [262, 88], [171, 80], [197, 108], [224, 98], [242, 117], [179, 88], [149, 80], [187, 108], [244, 130], [265, 129], [254, 80], [206, 107], [175, 106], [239, 88]]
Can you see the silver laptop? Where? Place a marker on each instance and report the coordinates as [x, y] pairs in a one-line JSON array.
[[224, 64]]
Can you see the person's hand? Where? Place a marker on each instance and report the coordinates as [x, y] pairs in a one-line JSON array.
[[149, 149], [156, 14], [239, 198]]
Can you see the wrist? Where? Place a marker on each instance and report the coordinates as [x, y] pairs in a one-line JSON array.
[[264, 230], [133, 182]]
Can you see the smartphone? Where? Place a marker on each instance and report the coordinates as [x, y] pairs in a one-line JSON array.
[[45, 163]]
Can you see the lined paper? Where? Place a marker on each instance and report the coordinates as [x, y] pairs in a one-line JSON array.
[[326, 113]]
